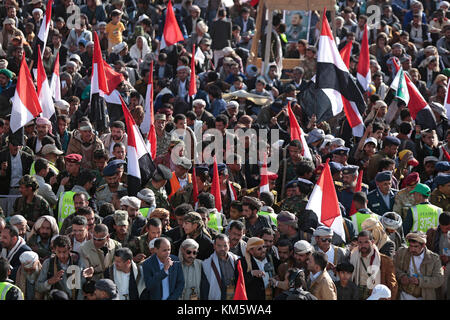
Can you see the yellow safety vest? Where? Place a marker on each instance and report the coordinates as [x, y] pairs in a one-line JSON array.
[[144, 211], [272, 216], [425, 216], [66, 206], [215, 221], [358, 218], [5, 287], [51, 165]]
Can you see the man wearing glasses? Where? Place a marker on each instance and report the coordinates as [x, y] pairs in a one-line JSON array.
[[322, 236], [192, 269], [99, 251]]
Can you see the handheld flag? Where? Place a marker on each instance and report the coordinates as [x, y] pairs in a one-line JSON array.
[[357, 189], [240, 293], [171, 33], [297, 133], [55, 83], [364, 75], [193, 80], [215, 187], [43, 89]]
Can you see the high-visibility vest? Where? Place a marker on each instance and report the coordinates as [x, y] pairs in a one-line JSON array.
[[358, 218], [66, 206], [271, 215], [51, 165], [175, 184], [144, 211], [5, 287], [215, 221], [425, 216]]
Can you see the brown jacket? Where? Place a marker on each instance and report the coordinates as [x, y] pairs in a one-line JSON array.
[[323, 288], [76, 145], [430, 269], [388, 275]]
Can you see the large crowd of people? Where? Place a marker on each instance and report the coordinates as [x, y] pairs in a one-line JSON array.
[[72, 230]]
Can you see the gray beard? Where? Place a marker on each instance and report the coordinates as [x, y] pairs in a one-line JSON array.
[[32, 277]]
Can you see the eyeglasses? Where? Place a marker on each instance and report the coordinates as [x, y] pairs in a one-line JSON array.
[[325, 239], [191, 252], [99, 239]]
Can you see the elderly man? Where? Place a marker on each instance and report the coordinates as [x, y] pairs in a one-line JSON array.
[[192, 270], [392, 223], [163, 274], [85, 142], [206, 117], [254, 223], [99, 251], [43, 128], [254, 263], [322, 236], [136, 220], [320, 284], [423, 215], [117, 135], [381, 200], [41, 234], [418, 270], [12, 247], [127, 275], [21, 224], [371, 267], [404, 199], [218, 273], [27, 275]]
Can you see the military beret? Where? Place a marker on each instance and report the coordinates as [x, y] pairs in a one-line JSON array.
[[392, 140], [292, 184], [272, 175], [383, 176], [341, 151], [73, 158], [412, 179], [246, 200], [335, 167], [120, 218], [442, 166], [442, 179], [304, 181], [184, 162], [162, 173], [286, 216], [350, 170]]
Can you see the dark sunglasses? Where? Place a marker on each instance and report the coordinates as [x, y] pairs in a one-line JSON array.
[[325, 239], [99, 239], [189, 252]]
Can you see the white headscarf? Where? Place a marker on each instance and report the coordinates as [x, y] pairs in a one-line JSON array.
[[137, 54]]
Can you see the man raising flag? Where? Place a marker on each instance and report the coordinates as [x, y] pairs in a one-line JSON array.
[[43, 89], [148, 124]]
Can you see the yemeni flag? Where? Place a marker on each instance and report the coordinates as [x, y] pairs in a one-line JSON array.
[[240, 292], [193, 80], [264, 184], [447, 100], [324, 203], [350, 109], [447, 156], [364, 75], [112, 97], [43, 90], [357, 189], [297, 133], [99, 88], [400, 87], [148, 125], [333, 80], [215, 186], [41, 39], [140, 164], [25, 103], [55, 83], [171, 33]]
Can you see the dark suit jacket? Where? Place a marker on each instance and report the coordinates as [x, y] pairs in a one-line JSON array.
[[253, 285], [15, 262], [31, 143], [168, 71], [423, 74], [153, 277], [240, 22], [220, 33], [376, 203], [425, 31], [27, 160]]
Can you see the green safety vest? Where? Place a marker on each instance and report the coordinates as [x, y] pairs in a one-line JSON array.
[[215, 221], [144, 211], [425, 216], [358, 218], [4, 288], [66, 206], [272, 216], [33, 171]]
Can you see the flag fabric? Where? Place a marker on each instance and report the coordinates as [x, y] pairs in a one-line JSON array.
[[43, 89], [148, 125], [297, 133], [333, 77], [447, 100], [447, 156], [171, 33], [215, 186], [240, 292], [400, 87], [193, 80], [357, 189], [324, 203], [41, 39], [194, 187], [364, 75], [350, 109], [199, 56], [99, 88], [264, 184], [55, 83], [25, 103], [140, 164]]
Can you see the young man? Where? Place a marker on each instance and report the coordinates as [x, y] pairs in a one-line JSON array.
[[320, 283]]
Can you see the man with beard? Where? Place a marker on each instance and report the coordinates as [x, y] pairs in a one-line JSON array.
[[12, 247], [192, 270], [236, 234], [288, 226], [27, 275], [68, 177], [349, 179], [135, 218], [40, 237], [104, 193], [219, 272], [140, 245], [254, 223], [81, 207], [43, 128], [121, 228], [117, 135]]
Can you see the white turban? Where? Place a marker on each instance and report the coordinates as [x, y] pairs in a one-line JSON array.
[[40, 221], [130, 202], [323, 231], [28, 258]]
